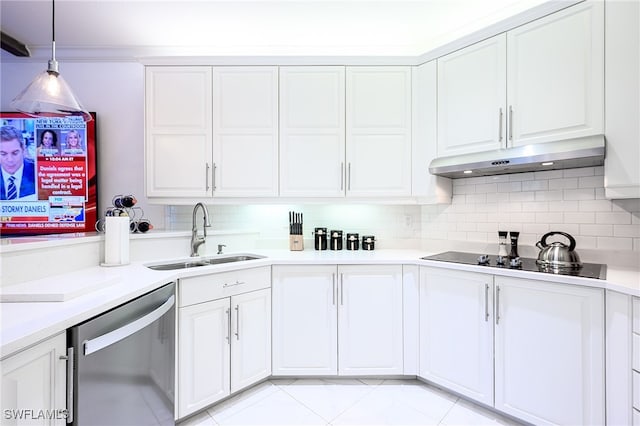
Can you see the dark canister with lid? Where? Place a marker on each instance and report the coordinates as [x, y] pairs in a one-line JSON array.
[[336, 240], [368, 242], [320, 238], [353, 241]]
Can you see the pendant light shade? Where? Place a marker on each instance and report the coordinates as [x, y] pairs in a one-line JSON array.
[[49, 95]]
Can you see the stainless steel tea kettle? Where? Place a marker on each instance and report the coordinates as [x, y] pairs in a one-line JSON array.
[[558, 255]]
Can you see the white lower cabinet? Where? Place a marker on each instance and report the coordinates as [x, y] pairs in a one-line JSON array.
[[549, 352], [34, 384], [344, 320], [536, 347], [456, 330], [224, 344]]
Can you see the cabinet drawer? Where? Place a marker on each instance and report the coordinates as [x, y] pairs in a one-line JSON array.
[[636, 390], [636, 352], [225, 284], [636, 315], [636, 417]]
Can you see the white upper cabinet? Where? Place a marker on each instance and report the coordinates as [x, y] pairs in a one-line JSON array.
[[312, 131], [245, 131], [540, 82], [378, 131], [472, 97], [622, 78], [178, 131], [555, 76]]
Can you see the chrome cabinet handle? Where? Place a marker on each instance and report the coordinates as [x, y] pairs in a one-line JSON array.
[[497, 304], [486, 302], [500, 126], [214, 175], [349, 177], [225, 285], [511, 123], [229, 325], [70, 367], [342, 176], [206, 176], [333, 287], [341, 289], [108, 339], [237, 322]]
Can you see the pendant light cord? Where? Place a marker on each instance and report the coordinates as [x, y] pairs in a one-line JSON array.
[[53, 29]]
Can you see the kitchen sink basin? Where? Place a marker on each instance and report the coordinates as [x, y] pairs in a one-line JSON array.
[[202, 261]]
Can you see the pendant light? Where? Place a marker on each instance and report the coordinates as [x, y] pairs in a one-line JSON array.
[[49, 95]]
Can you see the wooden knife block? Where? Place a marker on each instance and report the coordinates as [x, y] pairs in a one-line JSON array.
[[296, 242]]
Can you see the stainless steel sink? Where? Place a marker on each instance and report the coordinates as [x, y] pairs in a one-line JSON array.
[[202, 261]]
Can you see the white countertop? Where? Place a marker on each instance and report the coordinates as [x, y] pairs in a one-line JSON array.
[[26, 323]]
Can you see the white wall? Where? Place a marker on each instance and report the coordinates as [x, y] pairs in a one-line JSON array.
[[115, 91]]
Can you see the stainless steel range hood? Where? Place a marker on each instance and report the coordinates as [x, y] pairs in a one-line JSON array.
[[571, 153]]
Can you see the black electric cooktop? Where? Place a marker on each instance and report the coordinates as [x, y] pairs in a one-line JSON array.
[[588, 270]]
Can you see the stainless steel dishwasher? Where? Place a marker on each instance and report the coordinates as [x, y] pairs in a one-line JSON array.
[[122, 369]]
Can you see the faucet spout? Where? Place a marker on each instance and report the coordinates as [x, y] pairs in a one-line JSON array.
[[197, 241]]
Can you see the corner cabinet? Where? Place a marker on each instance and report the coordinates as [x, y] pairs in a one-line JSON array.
[[531, 349], [344, 320], [224, 341], [540, 82], [200, 123], [34, 381]]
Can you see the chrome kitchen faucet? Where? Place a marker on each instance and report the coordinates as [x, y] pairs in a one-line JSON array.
[[197, 241]]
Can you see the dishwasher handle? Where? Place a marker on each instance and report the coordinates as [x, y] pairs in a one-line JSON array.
[[108, 339]]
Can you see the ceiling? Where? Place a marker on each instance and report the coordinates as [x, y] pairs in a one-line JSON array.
[[136, 29]]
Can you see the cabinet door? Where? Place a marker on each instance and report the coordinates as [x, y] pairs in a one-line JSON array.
[[178, 128], [245, 131], [549, 352], [203, 355], [304, 321], [312, 131], [370, 320], [472, 98], [378, 131], [35, 379], [555, 75], [250, 338], [456, 331]]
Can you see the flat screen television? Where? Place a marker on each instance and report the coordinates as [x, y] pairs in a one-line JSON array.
[[49, 178]]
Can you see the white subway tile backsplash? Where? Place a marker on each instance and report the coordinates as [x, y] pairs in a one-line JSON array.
[[533, 203], [596, 230], [522, 196], [613, 243], [548, 174], [632, 231], [486, 187], [568, 183], [591, 182], [580, 217], [535, 185], [509, 187], [549, 217], [549, 195], [615, 218], [579, 194]]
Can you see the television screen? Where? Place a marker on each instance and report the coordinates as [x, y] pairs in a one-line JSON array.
[[49, 178]]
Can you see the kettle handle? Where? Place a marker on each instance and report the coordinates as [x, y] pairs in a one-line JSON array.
[[572, 241]]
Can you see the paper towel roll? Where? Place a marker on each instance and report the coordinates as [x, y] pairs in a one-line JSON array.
[[116, 240]]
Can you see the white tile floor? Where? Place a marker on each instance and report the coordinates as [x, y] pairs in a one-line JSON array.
[[345, 402]]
